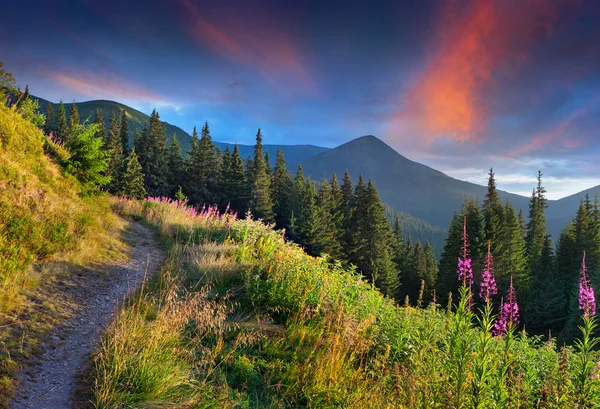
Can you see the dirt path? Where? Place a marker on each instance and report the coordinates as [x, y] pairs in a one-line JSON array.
[[51, 383]]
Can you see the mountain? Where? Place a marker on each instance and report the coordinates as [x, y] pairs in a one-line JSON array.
[[563, 210], [427, 195], [404, 185], [87, 111]]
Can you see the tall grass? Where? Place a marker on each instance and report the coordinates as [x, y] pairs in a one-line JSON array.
[[238, 318], [49, 227]]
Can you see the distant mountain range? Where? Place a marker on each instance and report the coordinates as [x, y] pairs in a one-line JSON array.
[[424, 198]]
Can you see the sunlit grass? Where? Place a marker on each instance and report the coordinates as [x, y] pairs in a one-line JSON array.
[[245, 320]]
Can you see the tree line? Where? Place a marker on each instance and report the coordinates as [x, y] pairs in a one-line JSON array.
[[545, 276], [338, 218]]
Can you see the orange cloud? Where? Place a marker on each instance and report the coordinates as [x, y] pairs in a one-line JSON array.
[[448, 100], [261, 43], [98, 87]]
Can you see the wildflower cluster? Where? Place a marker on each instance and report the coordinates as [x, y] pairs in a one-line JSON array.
[[465, 268], [204, 212], [488, 282], [587, 301], [509, 312]]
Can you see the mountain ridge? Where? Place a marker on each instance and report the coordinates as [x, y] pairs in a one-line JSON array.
[[373, 158]]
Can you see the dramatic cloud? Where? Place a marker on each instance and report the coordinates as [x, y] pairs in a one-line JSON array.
[[255, 40], [477, 41], [87, 84]]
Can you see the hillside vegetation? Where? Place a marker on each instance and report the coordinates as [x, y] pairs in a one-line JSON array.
[[238, 318], [49, 226]]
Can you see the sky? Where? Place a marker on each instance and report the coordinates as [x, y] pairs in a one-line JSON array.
[[460, 86]]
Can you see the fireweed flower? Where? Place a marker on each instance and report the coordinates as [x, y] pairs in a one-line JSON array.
[[488, 282], [465, 268], [509, 312], [587, 301]]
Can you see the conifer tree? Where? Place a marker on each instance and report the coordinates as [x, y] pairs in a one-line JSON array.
[[347, 213], [414, 267], [176, 165], [371, 249], [62, 129], [447, 279], [261, 203], [124, 131], [281, 190], [308, 223], [493, 212], [238, 195], [330, 237], [99, 121], [547, 314], [401, 258], [131, 183], [74, 120], [202, 169], [115, 152], [268, 164], [536, 228], [429, 273], [296, 198], [224, 179], [50, 125], [153, 156], [88, 161], [510, 259]]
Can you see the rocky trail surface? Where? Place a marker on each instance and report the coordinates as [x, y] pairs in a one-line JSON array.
[[52, 381]]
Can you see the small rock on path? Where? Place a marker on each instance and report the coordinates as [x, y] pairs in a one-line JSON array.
[[51, 382]]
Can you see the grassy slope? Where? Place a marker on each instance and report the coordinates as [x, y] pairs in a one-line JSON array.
[[47, 230], [239, 319]]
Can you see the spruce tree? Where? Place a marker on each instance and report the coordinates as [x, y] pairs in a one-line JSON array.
[[238, 195], [261, 203], [115, 152], [536, 228], [510, 260], [547, 313], [74, 120], [429, 274], [88, 161], [99, 121], [50, 125], [124, 131], [202, 171], [347, 213], [281, 190], [330, 235], [493, 212], [371, 250], [176, 165], [447, 277], [153, 156], [308, 223], [296, 198], [62, 129], [224, 192], [132, 180]]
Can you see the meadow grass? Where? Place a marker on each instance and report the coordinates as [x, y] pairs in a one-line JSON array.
[[238, 318], [51, 229]]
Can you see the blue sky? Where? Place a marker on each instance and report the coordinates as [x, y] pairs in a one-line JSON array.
[[457, 85]]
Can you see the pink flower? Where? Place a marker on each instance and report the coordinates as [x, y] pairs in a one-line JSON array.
[[509, 312], [488, 284], [587, 300], [465, 269]]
